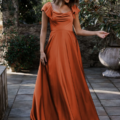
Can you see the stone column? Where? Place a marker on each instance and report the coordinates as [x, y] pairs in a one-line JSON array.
[[3, 90]]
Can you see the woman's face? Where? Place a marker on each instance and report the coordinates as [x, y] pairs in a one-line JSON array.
[[66, 1]]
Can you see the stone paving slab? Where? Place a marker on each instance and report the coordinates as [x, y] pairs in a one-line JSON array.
[[95, 77], [115, 80], [27, 86], [101, 111], [24, 91], [117, 85], [89, 72], [13, 86], [11, 97], [105, 93], [14, 76], [30, 77], [106, 90], [18, 118], [94, 97], [14, 81], [12, 91], [23, 97], [104, 118], [99, 80], [108, 96], [29, 81], [102, 85], [22, 104], [97, 103], [20, 112], [115, 117], [113, 110], [110, 102], [10, 103]]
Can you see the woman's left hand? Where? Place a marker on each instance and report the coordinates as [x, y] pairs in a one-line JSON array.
[[101, 34]]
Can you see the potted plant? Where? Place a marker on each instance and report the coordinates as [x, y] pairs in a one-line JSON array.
[[105, 15], [21, 52]]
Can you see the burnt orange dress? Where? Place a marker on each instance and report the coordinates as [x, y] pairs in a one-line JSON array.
[[61, 91]]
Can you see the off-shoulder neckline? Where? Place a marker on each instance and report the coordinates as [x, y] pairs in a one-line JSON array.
[[58, 12]]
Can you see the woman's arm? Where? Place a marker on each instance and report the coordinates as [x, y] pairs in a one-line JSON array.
[[43, 37], [79, 31], [43, 31]]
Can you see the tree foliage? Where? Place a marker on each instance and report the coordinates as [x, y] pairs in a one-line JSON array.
[[105, 13]]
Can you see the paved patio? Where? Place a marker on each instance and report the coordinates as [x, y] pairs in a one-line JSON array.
[[104, 91]]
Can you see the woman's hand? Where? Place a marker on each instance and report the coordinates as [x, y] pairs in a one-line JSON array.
[[101, 34], [43, 58]]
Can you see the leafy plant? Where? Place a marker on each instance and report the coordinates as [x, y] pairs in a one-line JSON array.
[[38, 12], [101, 15], [26, 11], [30, 11], [21, 51], [104, 14]]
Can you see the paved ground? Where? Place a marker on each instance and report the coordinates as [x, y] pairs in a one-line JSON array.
[[104, 91]]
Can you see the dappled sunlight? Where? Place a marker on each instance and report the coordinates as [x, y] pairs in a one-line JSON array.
[[106, 91], [21, 73], [30, 85]]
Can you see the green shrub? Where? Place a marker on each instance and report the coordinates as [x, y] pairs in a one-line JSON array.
[[21, 51]]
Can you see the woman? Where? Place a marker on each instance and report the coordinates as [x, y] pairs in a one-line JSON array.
[[61, 91]]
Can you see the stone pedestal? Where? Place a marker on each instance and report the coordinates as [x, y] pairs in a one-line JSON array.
[[3, 90], [110, 58]]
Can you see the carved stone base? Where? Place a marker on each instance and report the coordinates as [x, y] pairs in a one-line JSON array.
[[111, 73]]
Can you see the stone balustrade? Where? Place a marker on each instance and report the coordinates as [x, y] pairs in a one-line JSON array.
[[3, 90]]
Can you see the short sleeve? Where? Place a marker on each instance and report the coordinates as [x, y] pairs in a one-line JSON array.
[[47, 9], [75, 10]]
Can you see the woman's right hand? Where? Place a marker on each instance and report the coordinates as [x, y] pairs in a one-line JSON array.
[[43, 57]]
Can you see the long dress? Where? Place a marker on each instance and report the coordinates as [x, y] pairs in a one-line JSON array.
[[61, 91]]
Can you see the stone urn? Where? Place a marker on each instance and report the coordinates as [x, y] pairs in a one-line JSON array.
[[110, 58]]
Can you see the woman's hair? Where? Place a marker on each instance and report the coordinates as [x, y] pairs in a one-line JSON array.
[[70, 4]]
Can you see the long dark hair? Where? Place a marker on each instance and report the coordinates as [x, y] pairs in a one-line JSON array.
[[70, 4]]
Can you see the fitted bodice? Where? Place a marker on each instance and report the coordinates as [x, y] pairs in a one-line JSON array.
[[60, 21]]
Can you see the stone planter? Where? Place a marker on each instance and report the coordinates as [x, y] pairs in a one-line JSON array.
[[3, 90], [110, 58]]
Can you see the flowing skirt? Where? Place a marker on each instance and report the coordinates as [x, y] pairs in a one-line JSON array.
[[61, 91]]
